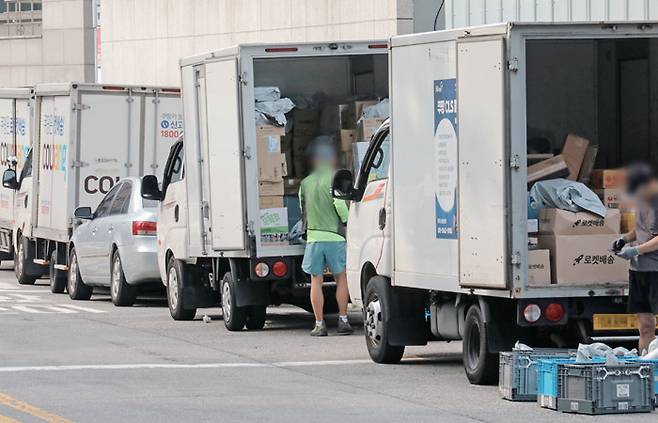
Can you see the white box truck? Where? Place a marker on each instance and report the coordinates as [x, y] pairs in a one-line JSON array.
[[210, 247], [438, 242], [87, 137], [16, 126]]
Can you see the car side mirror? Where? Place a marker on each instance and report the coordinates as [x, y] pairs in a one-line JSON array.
[[342, 186], [9, 179], [151, 188], [83, 213]]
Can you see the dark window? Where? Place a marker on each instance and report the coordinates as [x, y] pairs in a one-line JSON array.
[[173, 171], [27, 167], [122, 200], [104, 207]]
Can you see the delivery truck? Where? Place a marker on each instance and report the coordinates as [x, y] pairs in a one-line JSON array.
[[228, 201], [86, 138], [438, 232], [16, 126]]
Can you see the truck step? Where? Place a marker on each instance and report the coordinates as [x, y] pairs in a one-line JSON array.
[[62, 267], [41, 262]]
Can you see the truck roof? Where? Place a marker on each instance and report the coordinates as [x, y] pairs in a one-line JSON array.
[[66, 87], [16, 92], [294, 49]]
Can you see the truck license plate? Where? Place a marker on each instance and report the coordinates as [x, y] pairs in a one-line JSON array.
[[614, 322]]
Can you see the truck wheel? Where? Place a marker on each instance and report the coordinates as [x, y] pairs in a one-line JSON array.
[[57, 277], [234, 317], [256, 316], [21, 263], [375, 309], [123, 294], [177, 275], [480, 365], [76, 287]]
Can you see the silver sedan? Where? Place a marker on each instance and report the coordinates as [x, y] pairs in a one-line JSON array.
[[115, 246]]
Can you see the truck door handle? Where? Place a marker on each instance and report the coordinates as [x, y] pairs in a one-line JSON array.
[[176, 213], [25, 202], [382, 218], [111, 228], [93, 231]]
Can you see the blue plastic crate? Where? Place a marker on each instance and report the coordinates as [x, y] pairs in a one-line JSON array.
[[547, 380]]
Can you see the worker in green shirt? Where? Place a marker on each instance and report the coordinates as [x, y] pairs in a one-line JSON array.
[[325, 219]]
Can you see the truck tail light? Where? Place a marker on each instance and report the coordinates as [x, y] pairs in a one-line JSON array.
[[554, 312], [280, 269], [531, 313], [145, 228], [262, 270]]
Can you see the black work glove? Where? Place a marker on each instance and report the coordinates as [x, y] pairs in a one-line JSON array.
[[618, 244]]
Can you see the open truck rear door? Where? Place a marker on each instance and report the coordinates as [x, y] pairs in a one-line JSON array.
[[224, 144], [483, 163]]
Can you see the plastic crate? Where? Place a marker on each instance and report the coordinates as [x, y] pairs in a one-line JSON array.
[[547, 381], [518, 376], [655, 374], [597, 388]]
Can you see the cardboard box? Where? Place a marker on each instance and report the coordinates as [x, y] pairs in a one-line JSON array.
[[563, 222], [270, 188], [291, 186], [548, 169], [627, 221], [306, 122], [358, 107], [367, 127], [272, 167], [607, 178], [588, 164], [347, 137], [614, 198], [533, 226], [270, 202], [574, 152], [268, 130], [274, 226], [539, 268], [584, 260]]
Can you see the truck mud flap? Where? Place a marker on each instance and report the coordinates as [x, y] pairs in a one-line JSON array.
[[251, 293], [407, 325], [197, 296]]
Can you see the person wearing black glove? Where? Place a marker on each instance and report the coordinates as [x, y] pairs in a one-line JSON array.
[[619, 244]]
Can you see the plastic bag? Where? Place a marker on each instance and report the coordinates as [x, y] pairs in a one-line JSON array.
[[267, 93], [379, 110], [652, 351], [566, 195], [275, 109], [522, 347], [585, 352]]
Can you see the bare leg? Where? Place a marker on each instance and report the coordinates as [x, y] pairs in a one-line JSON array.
[[646, 323], [342, 293], [317, 297]]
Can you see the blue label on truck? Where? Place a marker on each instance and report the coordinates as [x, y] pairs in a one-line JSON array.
[[446, 132]]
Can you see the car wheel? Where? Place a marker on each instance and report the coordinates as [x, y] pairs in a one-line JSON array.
[[57, 277], [177, 273], [256, 316], [376, 308], [21, 262], [480, 365], [76, 287], [234, 317], [123, 294]]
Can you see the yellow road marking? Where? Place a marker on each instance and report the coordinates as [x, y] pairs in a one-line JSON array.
[[31, 410], [5, 419]]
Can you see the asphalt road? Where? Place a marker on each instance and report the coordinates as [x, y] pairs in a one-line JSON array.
[[63, 361]]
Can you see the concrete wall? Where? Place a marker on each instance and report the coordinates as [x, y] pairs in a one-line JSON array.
[[64, 51], [142, 40]]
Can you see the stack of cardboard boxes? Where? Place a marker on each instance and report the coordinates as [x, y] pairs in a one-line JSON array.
[[578, 246], [574, 163], [609, 185], [356, 133], [272, 168]]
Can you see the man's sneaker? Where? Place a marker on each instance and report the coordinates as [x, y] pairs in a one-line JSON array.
[[319, 330], [344, 328]]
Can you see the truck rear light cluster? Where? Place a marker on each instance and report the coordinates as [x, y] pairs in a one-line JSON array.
[[553, 312], [262, 270], [145, 228], [280, 269]]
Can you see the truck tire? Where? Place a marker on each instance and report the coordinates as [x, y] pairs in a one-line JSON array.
[[22, 262], [375, 309], [177, 279], [57, 277], [234, 317], [123, 294], [76, 287], [256, 316], [480, 365]]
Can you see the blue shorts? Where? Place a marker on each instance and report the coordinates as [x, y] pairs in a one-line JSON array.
[[317, 254]]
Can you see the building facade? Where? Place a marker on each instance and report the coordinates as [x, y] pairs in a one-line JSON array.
[[143, 40], [46, 41]]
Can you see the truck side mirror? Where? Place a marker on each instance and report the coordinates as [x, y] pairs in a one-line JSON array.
[[83, 213], [151, 188], [9, 179], [342, 186]]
